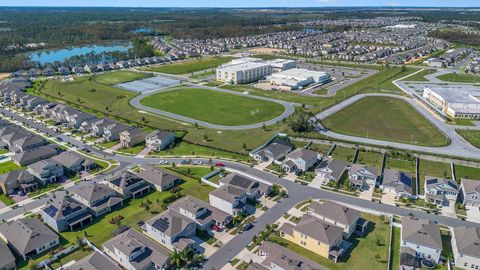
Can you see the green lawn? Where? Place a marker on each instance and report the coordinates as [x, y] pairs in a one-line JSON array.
[[385, 118], [214, 107], [363, 253], [135, 150], [370, 158], [472, 136], [191, 66], [8, 166], [395, 248], [433, 168], [193, 171], [3, 151], [117, 77], [420, 77], [6, 200], [343, 153], [400, 164], [188, 149], [101, 229], [466, 172], [463, 78]]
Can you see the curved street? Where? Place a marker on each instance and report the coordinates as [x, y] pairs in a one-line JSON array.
[[289, 108]]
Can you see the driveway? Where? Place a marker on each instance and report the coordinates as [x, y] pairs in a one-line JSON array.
[[473, 214], [388, 198], [449, 210], [367, 194]]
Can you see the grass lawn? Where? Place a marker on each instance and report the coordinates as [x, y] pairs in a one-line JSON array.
[[433, 168], [420, 77], [363, 252], [193, 171], [191, 66], [388, 119], [110, 144], [214, 107], [463, 78], [202, 74], [472, 136], [395, 248], [135, 150], [370, 158], [462, 122], [6, 200], [101, 229], [466, 172], [3, 151], [8, 166], [400, 164], [117, 77], [343, 153], [188, 149]]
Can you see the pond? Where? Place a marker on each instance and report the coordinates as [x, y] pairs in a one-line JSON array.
[[50, 56]]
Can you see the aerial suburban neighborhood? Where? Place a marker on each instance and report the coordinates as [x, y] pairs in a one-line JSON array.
[[310, 136]]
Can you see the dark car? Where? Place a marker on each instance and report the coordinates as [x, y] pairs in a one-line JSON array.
[[247, 227], [219, 164], [84, 149]]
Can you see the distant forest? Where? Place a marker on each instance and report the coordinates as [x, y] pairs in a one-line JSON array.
[[62, 27]]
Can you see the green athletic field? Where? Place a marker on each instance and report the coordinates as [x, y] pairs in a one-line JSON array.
[[122, 76], [214, 107], [190, 66]]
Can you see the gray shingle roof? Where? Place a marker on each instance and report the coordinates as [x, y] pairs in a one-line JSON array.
[[156, 176], [94, 261], [399, 180], [468, 240], [421, 232], [68, 159], [92, 191], [32, 155], [470, 185], [304, 154], [286, 259], [60, 208], [318, 230], [335, 211], [27, 234], [6, 256], [170, 222]]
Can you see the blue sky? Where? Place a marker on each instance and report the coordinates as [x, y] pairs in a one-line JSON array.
[[242, 3]]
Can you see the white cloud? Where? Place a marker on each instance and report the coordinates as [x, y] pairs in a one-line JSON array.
[[392, 4]]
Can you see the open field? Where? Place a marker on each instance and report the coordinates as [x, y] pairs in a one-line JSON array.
[[420, 77], [462, 78], [117, 77], [385, 118], [190, 66], [363, 253], [214, 107], [472, 136]]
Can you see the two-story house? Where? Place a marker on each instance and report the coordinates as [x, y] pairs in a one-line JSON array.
[[132, 136], [65, 214], [331, 170], [398, 183], [98, 197], [160, 179], [47, 171], [158, 140], [466, 247], [423, 237], [470, 192], [129, 185], [361, 176], [300, 159], [275, 152], [441, 191]]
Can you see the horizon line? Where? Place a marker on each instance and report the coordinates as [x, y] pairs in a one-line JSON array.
[[240, 7]]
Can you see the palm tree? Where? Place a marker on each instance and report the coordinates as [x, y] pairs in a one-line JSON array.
[[176, 259], [186, 255]]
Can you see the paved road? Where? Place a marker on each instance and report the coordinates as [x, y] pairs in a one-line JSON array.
[[297, 193], [289, 109]]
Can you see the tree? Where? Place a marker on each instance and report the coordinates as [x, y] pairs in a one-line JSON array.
[[205, 137], [244, 146], [175, 258], [300, 121]]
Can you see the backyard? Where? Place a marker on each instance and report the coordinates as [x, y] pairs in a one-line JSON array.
[[389, 119], [214, 107]]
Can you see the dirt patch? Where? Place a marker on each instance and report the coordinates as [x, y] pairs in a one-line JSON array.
[[4, 75], [263, 50]]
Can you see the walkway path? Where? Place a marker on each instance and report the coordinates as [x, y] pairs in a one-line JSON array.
[[289, 108]]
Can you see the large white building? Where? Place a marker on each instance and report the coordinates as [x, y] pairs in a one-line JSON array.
[[249, 69], [295, 78], [455, 101]]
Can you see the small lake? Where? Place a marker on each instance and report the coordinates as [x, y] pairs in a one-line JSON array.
[[50, 56]]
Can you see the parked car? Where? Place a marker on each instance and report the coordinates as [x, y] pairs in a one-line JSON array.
[[219, 164], [216, 228], [247, 227], [84, 149]]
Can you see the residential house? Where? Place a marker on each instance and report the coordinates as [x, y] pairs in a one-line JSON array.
[[361, 176], [470, 192], [98, 126], [48, 72], [129, 185], [63, 71], [28, 236], [7, 260], [336, 214], [398, 183], [277, 257], [159, 140], [134, 251], [315, 235], [65, 214], [36, 154], [441, 191], [47, 171], [27, 143], [422, 236], [94, 261], [73, 162], [76, 118], [160, 179], [235, 191], [331, 169], [466, 247], [98, 197], [172, 229], [13, 181], [112, 132], [300, 159], [132, 136], [201, 212], [274, 152]]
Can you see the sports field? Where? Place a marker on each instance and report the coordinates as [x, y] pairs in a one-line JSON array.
[[385, 118], [122, 76], [191, 66], [214, 107]]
